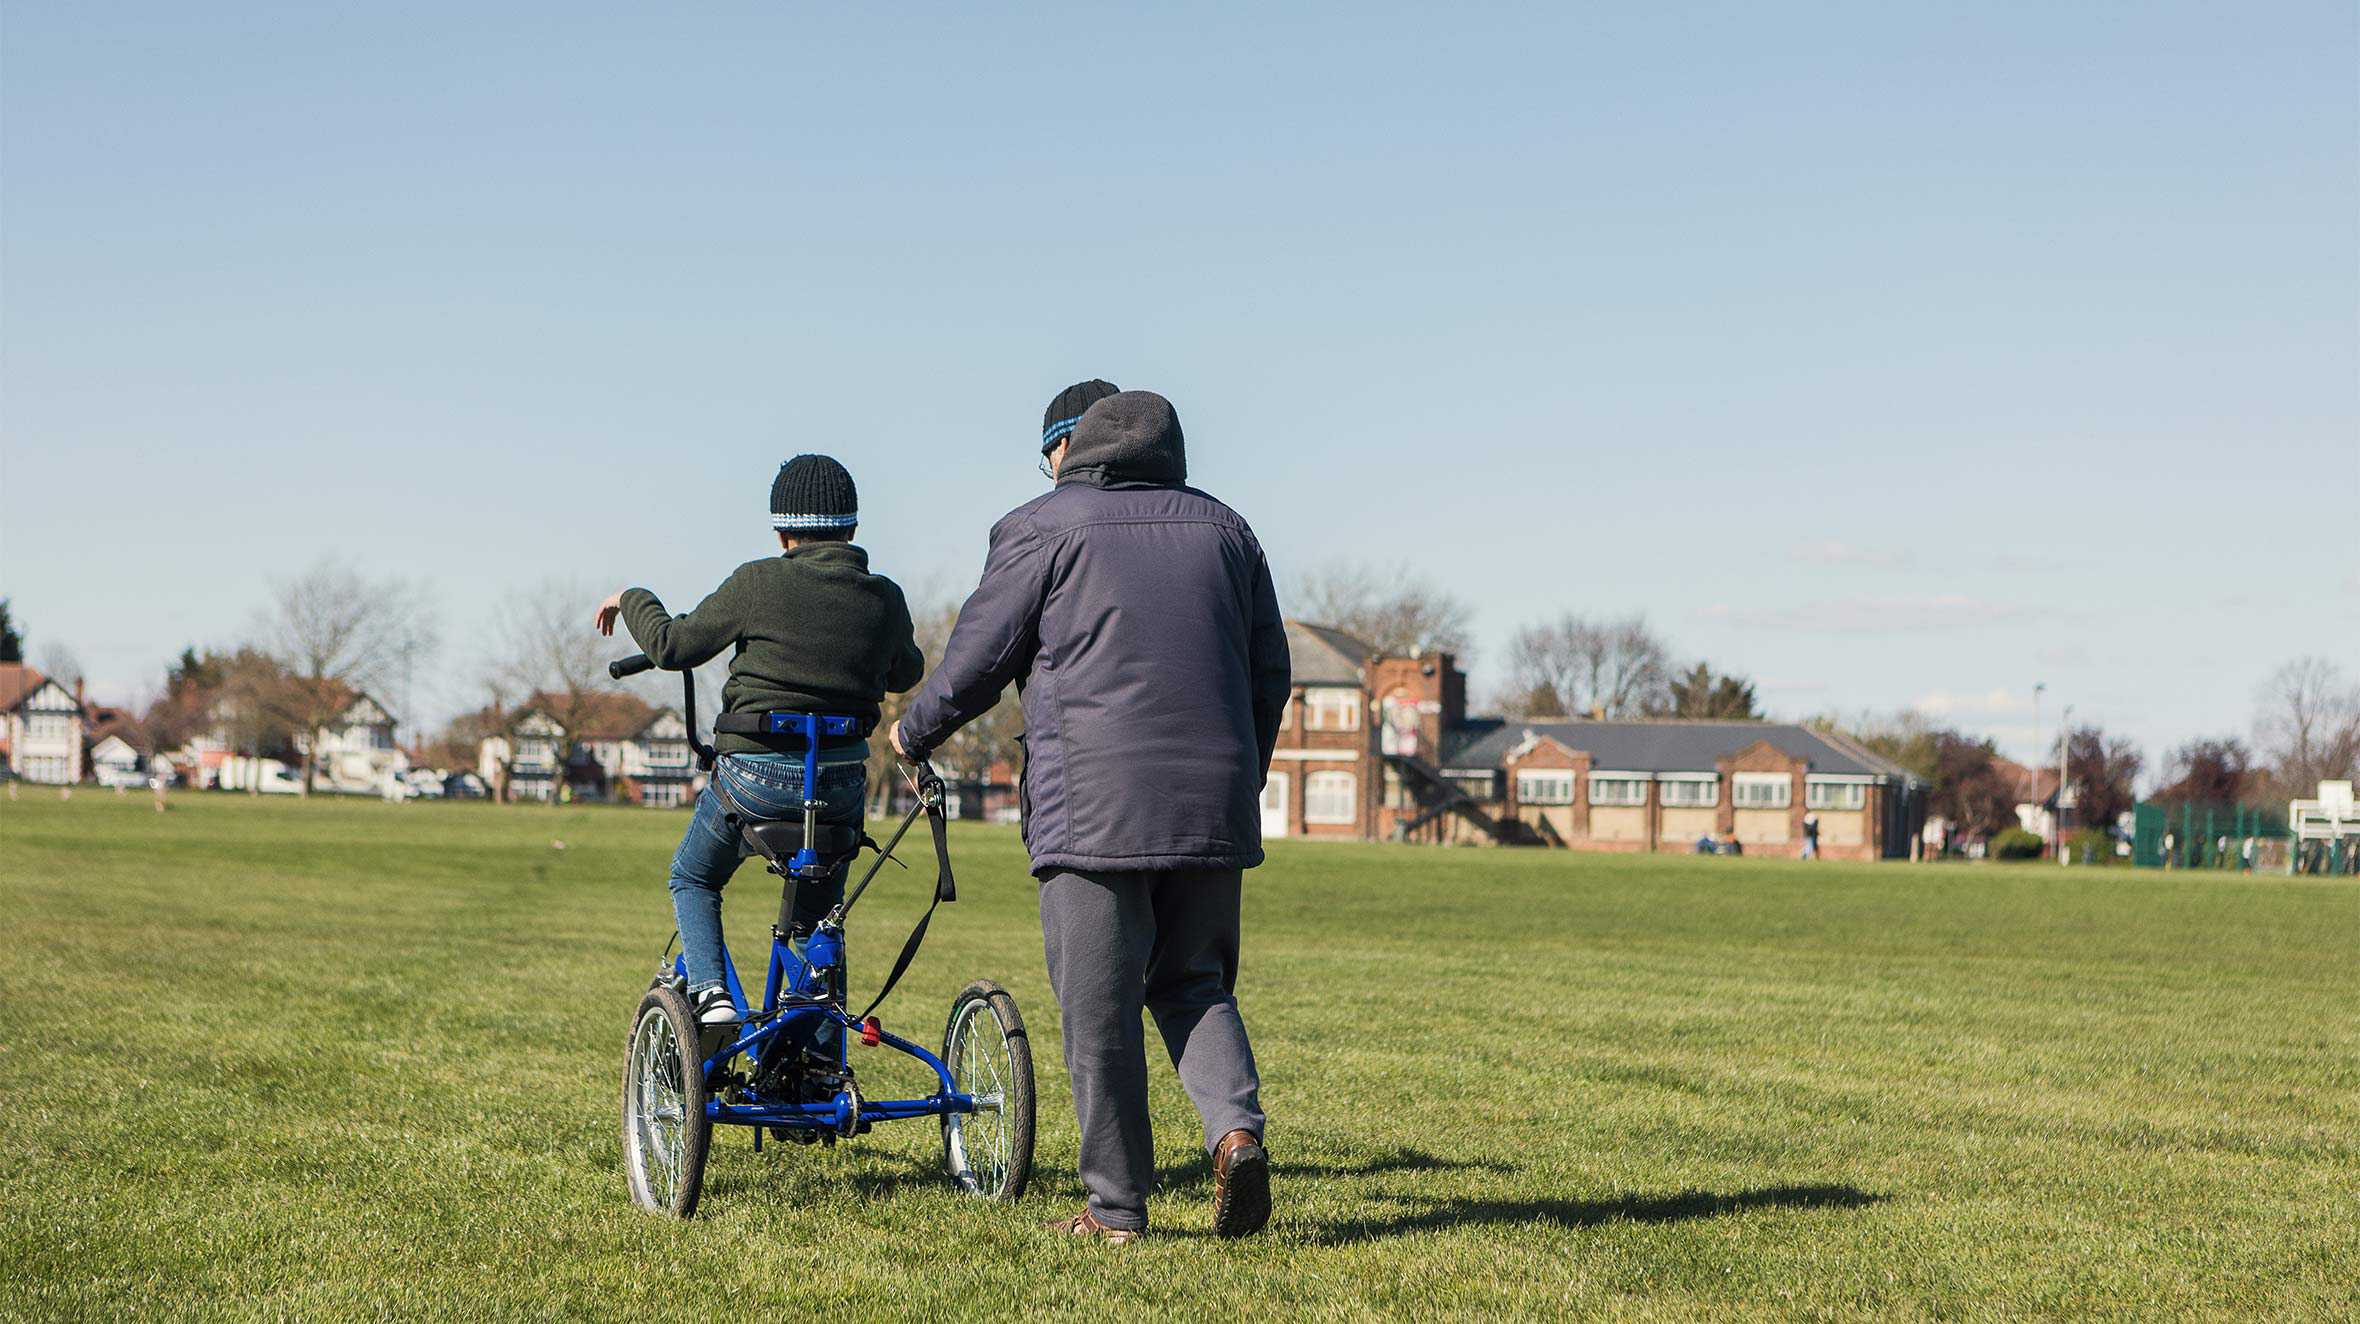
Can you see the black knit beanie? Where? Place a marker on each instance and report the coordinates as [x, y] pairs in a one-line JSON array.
[[1069, 406], [813, 492]]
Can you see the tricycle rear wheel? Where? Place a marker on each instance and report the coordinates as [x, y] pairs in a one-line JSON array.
[[989, 1152]]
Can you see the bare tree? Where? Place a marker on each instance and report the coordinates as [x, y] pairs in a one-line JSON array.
[[552, 660], [1907, 737], [60, 663], [973, 749], [1602, 668], [2308, 725], [1700, 692], [255, 704], [2103, 770], [337, 634], [2208, 772], [1392, 609]]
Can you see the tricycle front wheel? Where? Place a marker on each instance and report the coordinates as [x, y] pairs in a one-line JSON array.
[[665, 1130], [989, 1152]]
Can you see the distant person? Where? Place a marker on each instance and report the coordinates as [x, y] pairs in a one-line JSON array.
[[1704, 844], [1135, 615], [2245, 855], [1730, 845], [811, 630], [1810, 835]]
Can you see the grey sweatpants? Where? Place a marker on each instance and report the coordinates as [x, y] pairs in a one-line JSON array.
[[1165, 941]]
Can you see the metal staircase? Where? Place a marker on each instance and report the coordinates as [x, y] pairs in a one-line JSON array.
[[1437, 796]]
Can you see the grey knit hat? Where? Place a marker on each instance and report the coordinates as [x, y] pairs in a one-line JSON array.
[[813, 492]]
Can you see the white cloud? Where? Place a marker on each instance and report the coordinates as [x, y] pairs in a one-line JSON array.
[[1877, 615], [1832, 552]]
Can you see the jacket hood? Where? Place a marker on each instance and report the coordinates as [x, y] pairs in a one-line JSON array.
[[1129, 437]]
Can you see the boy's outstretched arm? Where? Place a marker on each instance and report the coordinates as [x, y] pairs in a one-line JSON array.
[[677, 643], [993, 643]]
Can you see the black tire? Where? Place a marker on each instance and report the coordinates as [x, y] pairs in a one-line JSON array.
[[662, 1073], [989, 1152]]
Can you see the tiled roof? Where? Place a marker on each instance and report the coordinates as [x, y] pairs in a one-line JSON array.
[[1667, 745], [1321, 655], [17, 683], [606, 714]]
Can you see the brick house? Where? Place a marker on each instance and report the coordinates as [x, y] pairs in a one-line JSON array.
[[1375, 747]]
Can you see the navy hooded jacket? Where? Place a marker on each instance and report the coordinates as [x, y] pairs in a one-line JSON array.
[[1136, 616]]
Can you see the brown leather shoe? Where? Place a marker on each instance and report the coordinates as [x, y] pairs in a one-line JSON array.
[[1086, 1224], [1241, 1185]]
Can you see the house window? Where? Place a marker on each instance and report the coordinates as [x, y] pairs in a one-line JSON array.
[[1545, 787], [1331, 709], [1328, 797], [1762, 790], [1690, 792], [1618, 790], [1477, 786], [1834, 795]]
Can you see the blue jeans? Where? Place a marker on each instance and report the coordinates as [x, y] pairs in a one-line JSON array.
[[769, 786]]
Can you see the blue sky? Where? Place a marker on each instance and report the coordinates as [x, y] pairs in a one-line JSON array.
[[1889, 354]]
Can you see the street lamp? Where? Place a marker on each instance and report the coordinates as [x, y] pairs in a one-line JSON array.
[[2032, 773], [2064, 752]]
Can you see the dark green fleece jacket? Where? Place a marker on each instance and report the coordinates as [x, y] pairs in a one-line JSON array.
[[813, 629]]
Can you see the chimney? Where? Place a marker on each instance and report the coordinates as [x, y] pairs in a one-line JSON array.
[[77, 691]]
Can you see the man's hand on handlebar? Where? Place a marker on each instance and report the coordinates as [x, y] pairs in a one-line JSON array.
[[604, 619], [895, 736]]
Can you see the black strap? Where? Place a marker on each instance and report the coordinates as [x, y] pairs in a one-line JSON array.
[[944, 890]]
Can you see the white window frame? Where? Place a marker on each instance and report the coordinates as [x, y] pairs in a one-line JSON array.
[[1334, 781], [1600, 782], [1834, 796], [1558, 780], [1746, 790], [1675, 790], [1331, 701]]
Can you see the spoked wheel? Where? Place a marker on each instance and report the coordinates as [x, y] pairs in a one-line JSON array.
[[989, 1151], [665, 1130]]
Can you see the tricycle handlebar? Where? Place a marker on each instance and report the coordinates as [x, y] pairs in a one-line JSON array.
[[622, 667]]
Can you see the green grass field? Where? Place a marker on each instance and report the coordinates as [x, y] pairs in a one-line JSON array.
[[334, 1060]]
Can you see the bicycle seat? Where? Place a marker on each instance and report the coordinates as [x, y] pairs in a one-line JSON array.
[[778, 840]]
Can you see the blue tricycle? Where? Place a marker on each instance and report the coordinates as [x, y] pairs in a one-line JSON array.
[[785, 1068]]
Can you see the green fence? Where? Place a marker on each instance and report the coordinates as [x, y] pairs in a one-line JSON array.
[[2199, 836]]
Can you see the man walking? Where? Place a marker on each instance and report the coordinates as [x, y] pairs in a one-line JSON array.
[[1136, 617]]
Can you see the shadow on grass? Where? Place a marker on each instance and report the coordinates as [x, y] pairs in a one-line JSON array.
[[1429, 1215], [1180, 1178]]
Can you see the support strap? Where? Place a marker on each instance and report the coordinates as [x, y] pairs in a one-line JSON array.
[[929, 804]]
